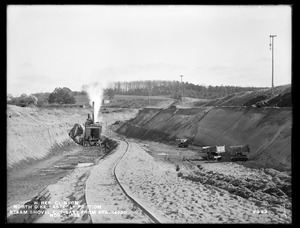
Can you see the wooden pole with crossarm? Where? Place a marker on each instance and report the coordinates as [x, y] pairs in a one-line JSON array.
[[272, 48], [181, 88]]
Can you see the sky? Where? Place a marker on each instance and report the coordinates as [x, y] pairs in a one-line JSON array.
[[51, 46]]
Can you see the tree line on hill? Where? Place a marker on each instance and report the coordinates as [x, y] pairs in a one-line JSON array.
[[172, 89], [58, 96]]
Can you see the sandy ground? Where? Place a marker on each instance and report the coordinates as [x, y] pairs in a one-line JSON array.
[[62, 202], [182, 200], [104, 193], [24, 184], [67, 198], [53, 184]]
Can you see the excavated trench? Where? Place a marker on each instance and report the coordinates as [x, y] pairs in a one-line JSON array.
[[266, 130], [37, 136], [44, 162], [40, 151], [263, 181]]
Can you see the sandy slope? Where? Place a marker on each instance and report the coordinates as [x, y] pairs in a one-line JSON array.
[[32, 132], [108, 119], [181, 200]]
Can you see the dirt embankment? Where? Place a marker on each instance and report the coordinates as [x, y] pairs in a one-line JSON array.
[[36, 133], [266, 130], [32, 133], [164, 124], [280, 96]]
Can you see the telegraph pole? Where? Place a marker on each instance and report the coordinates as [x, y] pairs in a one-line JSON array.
[[272, 48], [149, 96], [149, 91], [181, 88]]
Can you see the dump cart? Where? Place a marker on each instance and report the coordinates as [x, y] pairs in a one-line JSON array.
[[183, 143], [237, 152], [212, 153]]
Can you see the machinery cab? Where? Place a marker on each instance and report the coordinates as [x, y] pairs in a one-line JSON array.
[[92, 132], [213, 156], [211, 153], [182, 143], [237, 153]]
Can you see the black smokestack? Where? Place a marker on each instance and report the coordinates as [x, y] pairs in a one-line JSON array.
[[93, 118]]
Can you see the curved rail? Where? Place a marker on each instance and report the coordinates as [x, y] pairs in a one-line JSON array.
[[151, 215], [139, 204]]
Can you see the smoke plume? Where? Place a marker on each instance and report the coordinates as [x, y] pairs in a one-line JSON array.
[[95, 93]]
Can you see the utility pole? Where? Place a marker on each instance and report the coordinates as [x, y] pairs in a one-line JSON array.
[[181, 88], [272, 48], [149, 91]]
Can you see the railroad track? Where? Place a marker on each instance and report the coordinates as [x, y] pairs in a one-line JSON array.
[[135, 201], [144, 208]]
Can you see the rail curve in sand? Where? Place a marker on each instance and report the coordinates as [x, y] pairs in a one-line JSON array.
[[105, 191]]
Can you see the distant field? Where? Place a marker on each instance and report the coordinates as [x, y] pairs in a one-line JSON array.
[[133, 97], [81, 98], [85, 98], [130, 101]]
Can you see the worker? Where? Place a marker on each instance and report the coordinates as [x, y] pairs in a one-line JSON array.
[[89, 120], [105, 145], [92, 133]]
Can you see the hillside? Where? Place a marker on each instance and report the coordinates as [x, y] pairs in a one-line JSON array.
[[232, 120], [267, 130], [34, 132], [280, 97]]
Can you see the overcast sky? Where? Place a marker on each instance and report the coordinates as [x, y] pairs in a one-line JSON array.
[[68, 46]]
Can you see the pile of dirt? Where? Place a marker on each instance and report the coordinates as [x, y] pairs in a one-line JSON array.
[[266, 130], [282, 100], [33, 132], [258, 185]]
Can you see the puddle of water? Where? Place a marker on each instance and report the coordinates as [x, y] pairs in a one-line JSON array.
[[64, 166], [85, 164]]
